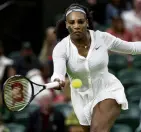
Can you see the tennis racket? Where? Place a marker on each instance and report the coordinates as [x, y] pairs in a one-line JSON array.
[[18, 91]]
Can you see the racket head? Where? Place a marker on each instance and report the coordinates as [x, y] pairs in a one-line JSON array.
[[17, 93]]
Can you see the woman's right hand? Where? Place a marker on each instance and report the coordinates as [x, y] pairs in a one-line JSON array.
[[61, 84]]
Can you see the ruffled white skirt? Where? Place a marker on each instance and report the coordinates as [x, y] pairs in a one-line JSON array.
[[83, 105]]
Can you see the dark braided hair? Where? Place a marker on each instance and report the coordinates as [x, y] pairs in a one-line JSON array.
[[61, 30]]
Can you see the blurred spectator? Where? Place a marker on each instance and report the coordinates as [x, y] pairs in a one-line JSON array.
[[97, 8], [4, 61], [132, 20], [91, 2], [114, 8], [39, 76], [52, 120], [118, 29], [137, 33], [27, 60], [48, 45], [50, 41], [8, 72]]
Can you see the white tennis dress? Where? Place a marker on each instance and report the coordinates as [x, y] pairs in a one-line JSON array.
[[98, 83]]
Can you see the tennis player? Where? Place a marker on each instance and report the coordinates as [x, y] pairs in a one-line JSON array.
[[83, 53]]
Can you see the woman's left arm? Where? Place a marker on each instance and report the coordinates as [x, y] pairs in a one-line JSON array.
[[121, 46]]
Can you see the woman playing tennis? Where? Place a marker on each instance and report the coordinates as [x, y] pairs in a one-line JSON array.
[[83, 53]]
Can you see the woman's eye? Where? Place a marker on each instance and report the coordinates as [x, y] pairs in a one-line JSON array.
[[71, 22], [80, 22]]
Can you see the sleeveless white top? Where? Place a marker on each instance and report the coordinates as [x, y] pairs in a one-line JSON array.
[[98, 83]]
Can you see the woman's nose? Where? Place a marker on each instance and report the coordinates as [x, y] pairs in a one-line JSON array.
[[76, 26]]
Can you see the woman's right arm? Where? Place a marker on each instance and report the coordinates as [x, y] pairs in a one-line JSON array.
[[59, 63]]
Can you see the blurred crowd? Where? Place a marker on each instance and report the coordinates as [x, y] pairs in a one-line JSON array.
[[51, 110]]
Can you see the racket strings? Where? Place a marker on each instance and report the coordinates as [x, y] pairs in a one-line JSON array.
[[24, 95]]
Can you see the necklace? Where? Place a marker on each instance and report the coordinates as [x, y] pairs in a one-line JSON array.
[[86, 46]]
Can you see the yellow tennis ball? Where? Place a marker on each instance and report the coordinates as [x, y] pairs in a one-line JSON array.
[[76, 83]]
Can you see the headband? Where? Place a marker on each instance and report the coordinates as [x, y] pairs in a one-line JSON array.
[[74, 10]]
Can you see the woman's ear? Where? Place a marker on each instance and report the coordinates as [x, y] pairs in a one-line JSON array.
[[87, 23], [66, 25]]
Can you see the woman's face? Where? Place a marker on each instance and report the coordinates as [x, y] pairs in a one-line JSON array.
[[118, 24], [50, 35], [11, 72], [116, 2], [137, 4], [76, 23]]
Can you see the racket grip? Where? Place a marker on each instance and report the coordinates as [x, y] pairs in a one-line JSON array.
[[52, 85]]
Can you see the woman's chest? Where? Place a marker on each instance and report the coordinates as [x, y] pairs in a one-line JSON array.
[[96, 59], [83, 51]]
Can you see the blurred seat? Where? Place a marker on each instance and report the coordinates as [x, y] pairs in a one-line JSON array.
[[129, 77], [130, 117], [28, 117], [139, 127], [121, 128], [35, 122], [13, 55], [22, 117], [65, 108], [134, 94], [117, 62], [7, 116], [140, 104], [137, 61], [13, 127]]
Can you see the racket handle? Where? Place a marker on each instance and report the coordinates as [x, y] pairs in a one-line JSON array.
[[52, 85]]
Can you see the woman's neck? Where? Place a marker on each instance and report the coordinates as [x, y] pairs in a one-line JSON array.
[[86, 40]]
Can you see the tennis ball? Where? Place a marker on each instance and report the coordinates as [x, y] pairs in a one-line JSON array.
[[76, 83]]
